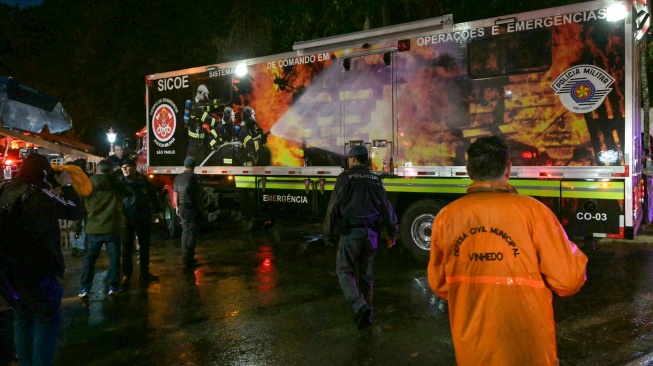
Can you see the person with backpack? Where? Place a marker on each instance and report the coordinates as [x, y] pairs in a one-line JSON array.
[[32, 261]]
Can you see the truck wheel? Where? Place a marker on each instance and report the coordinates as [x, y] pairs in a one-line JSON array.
[[170, 219], [415, 227]]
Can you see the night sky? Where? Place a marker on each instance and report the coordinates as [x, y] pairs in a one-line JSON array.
[[22, 3]]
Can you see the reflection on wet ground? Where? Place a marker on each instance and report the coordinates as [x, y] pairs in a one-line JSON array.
[[271, 297]]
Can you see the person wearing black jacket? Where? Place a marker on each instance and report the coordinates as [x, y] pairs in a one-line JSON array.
[[37, 262], [359, 208], [190, 209], [138, 210]]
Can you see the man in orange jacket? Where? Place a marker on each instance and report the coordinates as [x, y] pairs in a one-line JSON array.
[[496, 256]]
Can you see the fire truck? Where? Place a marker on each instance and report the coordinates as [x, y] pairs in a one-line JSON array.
[[561, 85], [17, 144]]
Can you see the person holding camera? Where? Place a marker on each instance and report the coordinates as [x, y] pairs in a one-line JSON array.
[[359, 208], [104, 225], [32, 259]]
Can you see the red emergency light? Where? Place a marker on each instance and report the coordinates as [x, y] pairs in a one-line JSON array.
[[403, 45]]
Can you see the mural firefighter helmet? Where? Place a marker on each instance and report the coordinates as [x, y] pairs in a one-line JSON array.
[[228, 115], [248, 115]]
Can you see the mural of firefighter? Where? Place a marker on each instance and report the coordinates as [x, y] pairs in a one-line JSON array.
[[555, 93]]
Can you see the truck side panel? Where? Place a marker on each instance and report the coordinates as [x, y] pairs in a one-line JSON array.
[[560, 85]]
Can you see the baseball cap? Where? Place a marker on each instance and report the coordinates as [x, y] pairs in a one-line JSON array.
[[357, 150], [128, 161], [189, 162]]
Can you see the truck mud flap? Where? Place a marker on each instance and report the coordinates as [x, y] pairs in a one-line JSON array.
[[587, 217]]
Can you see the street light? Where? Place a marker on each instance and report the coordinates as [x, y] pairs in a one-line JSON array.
[[111, 136]]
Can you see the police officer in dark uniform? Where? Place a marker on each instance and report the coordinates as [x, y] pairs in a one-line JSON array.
[[358, 210], [188, 201]]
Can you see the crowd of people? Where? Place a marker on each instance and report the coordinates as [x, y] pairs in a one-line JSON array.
[[111, 208], [514, 291]]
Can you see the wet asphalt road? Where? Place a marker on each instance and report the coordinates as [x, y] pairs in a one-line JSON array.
[[271, 297]]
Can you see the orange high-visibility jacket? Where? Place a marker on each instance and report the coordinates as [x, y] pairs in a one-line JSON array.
[[496, 256]]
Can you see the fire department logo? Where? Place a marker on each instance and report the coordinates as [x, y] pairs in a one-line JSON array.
[[583, 88], [164, 122]]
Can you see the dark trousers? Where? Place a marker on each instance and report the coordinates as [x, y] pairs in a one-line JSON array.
[[94, 244], [142, 229], [355, 266], [190, 231], [35, 329]]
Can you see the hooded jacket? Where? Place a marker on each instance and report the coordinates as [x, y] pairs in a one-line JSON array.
[[497, 257], [37, 242], [104, 205], [32, 236]]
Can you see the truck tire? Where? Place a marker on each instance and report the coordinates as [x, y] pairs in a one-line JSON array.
[[415, 227], [170, 220]]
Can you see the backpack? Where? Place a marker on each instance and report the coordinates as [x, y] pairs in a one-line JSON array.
[[11, 203]]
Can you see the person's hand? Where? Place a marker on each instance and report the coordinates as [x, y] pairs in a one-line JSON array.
[[63, 178], [177, 211], [391, 241]]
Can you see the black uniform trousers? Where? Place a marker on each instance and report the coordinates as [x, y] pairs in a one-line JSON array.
[[131, 230], [355, 266]]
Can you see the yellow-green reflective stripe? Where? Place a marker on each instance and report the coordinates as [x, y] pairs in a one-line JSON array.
[[537, 188], [603, 190], [284, 185], [329, 185], [459, 186], [245, 182], [426, 185]]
